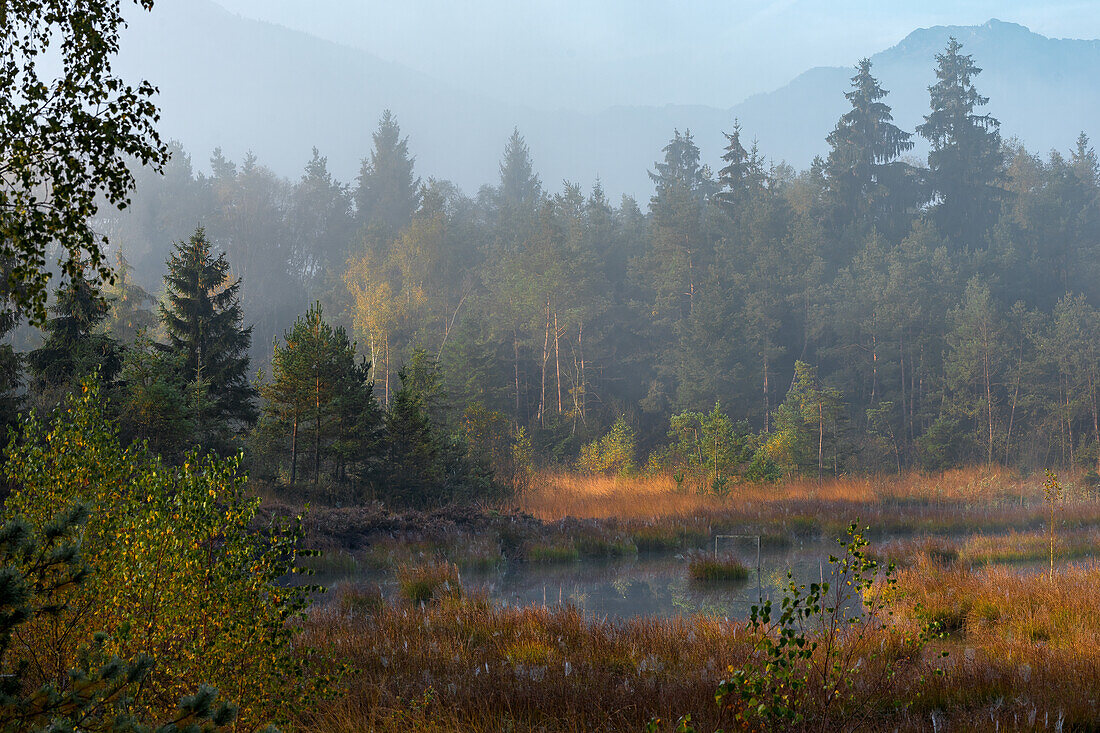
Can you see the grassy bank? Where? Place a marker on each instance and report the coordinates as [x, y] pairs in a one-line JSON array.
[[566, 518], [1022, 648], [1022, 656]]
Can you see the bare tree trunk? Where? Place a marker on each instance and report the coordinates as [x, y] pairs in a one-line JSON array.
[[584, 378], [875, 364], [820, 438], [294, 450], [1069, 425], [767, 407], [515, 364], [316, 428], [557, 357], [904, 406], [988, 407], [1012, 418], [545, 359], [386, 379], [1095, 419]]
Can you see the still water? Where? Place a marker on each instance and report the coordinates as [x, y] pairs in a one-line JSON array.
[[646, 584]]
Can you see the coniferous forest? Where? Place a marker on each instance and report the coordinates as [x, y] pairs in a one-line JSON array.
[[305, 452], [874, 313]]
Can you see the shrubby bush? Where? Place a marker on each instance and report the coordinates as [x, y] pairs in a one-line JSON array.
[[612, 454], [37, 569], [178, 571]]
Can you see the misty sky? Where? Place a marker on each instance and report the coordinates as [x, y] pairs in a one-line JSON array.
[[591, 54]]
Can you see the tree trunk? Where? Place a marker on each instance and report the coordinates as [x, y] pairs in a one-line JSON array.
[[820, 438], [515, 364], [1012, 418], [767, 407], [1095, 418], [386, 382], [1069, 425], [988, 407], [584, 382], [904, 406], [557, 358], [294, 450], [545, 359], [874, 361], [316, 428]]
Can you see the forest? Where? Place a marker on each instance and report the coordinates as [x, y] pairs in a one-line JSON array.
[[874, 313], [316, 454]]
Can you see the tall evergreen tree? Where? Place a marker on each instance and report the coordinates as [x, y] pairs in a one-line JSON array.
[[388, 193], [318, 392], [735, 177], [863, 148], [321, 224], [73, 347], [519, 185], [965, 162], [202, 318]]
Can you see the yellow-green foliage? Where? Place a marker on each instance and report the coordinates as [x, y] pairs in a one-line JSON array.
[[177, 570], [613, 454]]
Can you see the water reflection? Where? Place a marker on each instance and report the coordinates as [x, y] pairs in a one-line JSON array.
[[647, 585]]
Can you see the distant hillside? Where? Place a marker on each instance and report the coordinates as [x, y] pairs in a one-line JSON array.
[[244, 84]]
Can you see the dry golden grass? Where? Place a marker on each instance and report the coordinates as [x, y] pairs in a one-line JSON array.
[[1023, 654], [553, 496], [465, 665]]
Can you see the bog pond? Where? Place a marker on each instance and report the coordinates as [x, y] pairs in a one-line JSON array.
[[645, 584]]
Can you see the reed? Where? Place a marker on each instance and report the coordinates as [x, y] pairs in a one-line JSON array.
[[704, 568]]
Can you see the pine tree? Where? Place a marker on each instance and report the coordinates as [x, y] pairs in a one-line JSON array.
[[319, 392], [863, 149], [388, 193], [735, 177], [73, 347], [202, 317], [966, 161]]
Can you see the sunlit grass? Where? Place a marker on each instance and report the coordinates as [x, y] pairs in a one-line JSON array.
[[1022, 650], [555, 495]]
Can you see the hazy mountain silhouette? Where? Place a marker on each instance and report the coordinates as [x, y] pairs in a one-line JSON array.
[[247, 85]]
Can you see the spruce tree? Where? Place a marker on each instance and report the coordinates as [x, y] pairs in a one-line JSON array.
[[73, 347], [966, 162], [388, 193], [519, 185], [863, 148], [202, 318], [735, 177], [415, 475]]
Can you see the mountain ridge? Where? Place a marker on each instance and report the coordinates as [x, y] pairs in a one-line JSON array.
[[242, 84]]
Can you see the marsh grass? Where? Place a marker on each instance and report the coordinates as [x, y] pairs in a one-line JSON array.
[[548, 553], [992, 549], [1023, 654], [703, 568], [553, 496], [427, 582]]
